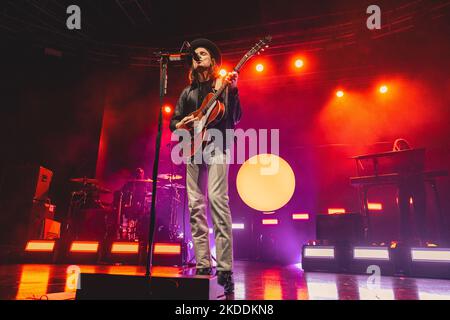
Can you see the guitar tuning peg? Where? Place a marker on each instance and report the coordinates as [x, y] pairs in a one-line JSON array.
[[259, 53], [262, 49], [267, 45]]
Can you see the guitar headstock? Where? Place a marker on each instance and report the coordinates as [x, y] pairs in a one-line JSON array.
[[259, 47]]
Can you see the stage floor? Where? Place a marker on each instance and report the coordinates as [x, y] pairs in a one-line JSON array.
[[254, 281]]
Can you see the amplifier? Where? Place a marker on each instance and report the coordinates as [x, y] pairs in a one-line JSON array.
[[23, 192], [52, 229]]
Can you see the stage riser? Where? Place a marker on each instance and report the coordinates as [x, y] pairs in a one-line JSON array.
[[124, 287], [400, 263]]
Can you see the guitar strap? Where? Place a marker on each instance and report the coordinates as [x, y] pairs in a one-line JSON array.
[[216, 86], [201, 90]]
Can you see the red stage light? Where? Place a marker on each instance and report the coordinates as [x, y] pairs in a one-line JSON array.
[[339, 93], [84, 246], [167, 109], [326, 252], [383, 89], [40, 246], [238, 226], [371, 253], [223, 72], [299, 63], [336, 210], [300, 216], [270, 221], [375, 206], [125, 247], [430, 255], [259, 67], [167, 248]]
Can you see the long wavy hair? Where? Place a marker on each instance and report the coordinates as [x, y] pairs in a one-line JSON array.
[[213, 72]]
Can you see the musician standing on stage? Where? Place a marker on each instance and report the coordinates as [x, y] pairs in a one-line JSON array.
[[411, 187], [211, 177]]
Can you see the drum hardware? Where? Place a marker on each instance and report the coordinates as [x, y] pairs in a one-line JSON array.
[[85, 181], [131, 207], [169, 176], [140, 180], [131, 204], [86, 197], [173, 185]]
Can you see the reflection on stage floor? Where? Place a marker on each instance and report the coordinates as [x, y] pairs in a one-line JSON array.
[[254, 281]]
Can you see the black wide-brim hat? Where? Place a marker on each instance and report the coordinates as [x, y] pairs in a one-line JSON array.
[[210, 46]]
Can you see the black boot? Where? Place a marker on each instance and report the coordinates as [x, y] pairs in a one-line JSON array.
[[203, 271], [225, 279]]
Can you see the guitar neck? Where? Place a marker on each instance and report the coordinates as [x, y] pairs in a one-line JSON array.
[[226, 84], [221, 90], [238, 67]]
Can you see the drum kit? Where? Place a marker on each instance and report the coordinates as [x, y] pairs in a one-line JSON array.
[[127, 217]]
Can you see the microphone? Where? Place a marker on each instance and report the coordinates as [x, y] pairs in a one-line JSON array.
[[194, 54], [186, 53]]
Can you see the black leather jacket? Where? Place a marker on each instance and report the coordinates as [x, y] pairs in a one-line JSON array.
[[189, 102]]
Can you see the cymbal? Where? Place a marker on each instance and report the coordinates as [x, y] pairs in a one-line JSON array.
[[168, 176], [140, 180], [103, 190], [84, 180], [173, 185]]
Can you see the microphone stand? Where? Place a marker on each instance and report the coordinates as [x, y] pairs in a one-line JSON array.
[[164, 59]]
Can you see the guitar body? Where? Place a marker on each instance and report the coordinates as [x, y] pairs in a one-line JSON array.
[[210, 112], [217, 111]]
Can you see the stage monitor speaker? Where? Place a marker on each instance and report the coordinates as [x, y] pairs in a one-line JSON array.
[[338, 228], [131, 287], [23, 190]]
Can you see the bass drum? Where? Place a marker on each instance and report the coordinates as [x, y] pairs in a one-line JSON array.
[[162, 223]]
